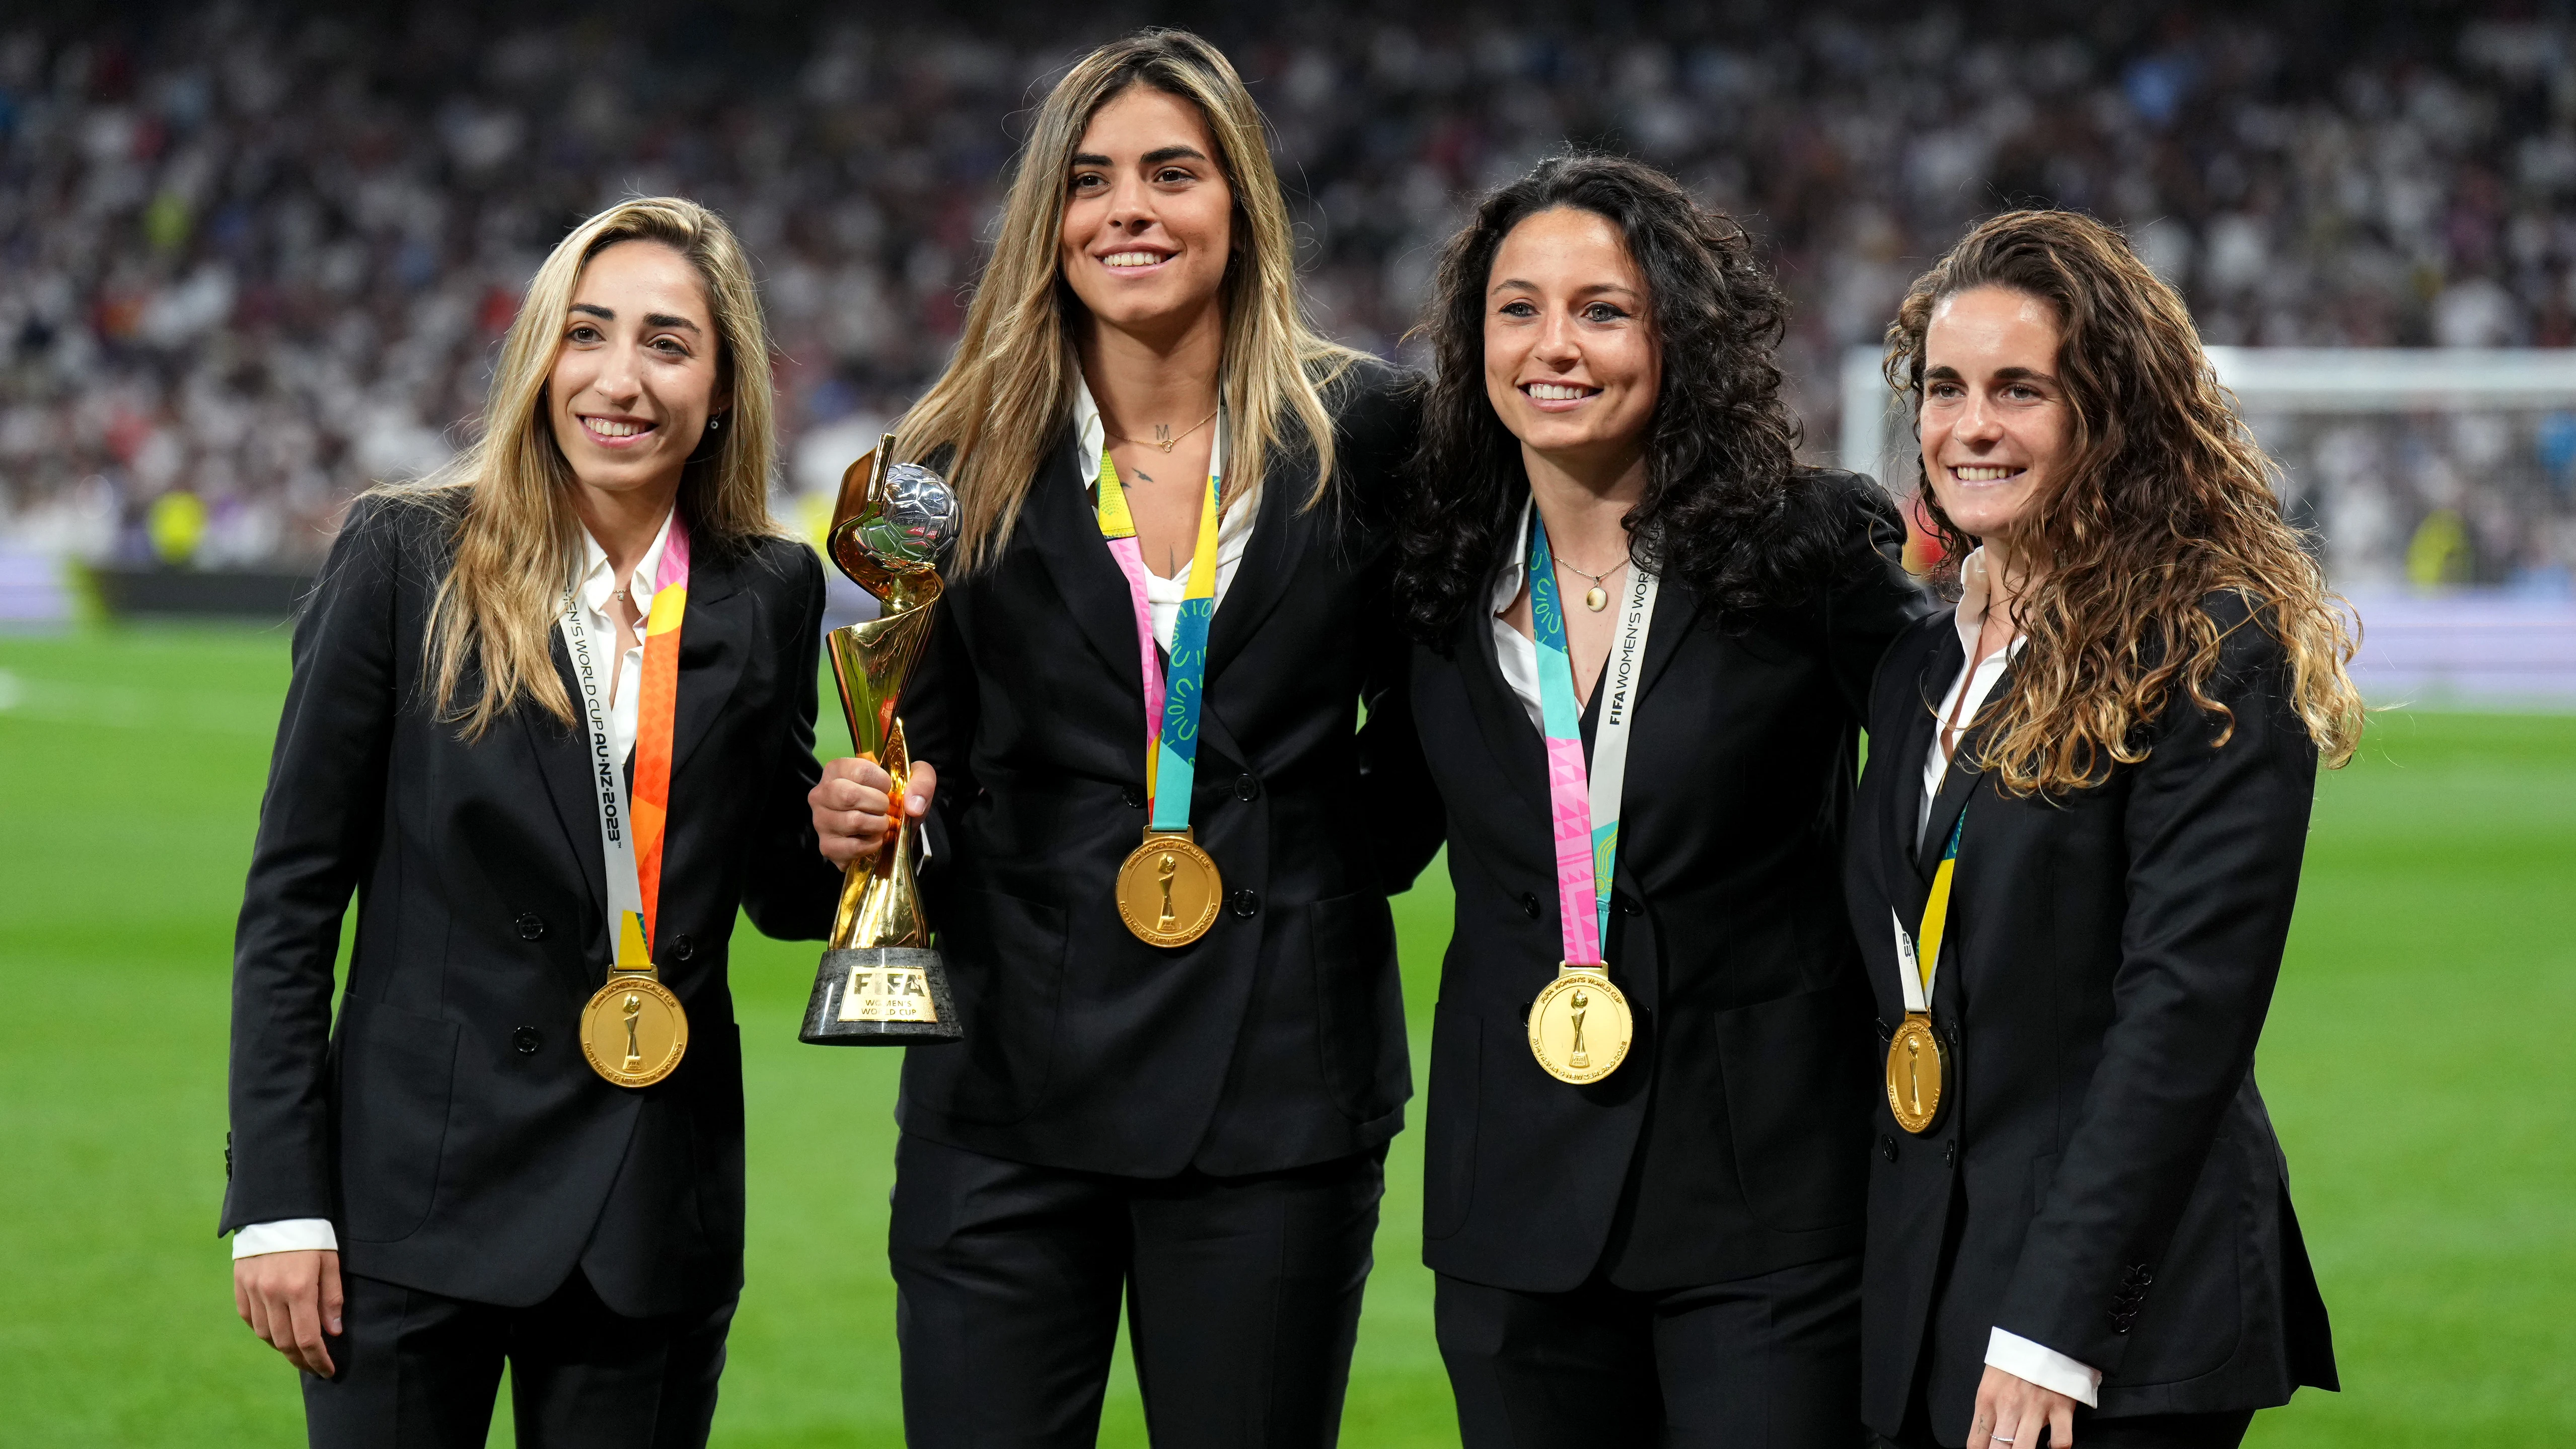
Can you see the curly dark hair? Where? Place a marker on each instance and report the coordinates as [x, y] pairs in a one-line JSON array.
[[1727, 509]]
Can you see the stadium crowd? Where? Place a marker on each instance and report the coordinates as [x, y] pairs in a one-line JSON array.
[[257, 254]]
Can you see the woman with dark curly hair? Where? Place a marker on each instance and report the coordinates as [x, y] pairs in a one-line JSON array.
[[1646, 640], [2071, 870]]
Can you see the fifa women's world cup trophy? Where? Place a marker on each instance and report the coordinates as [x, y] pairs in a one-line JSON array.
[[881, 983]]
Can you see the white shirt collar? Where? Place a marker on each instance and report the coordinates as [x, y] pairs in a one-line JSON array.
[[598, 581], [1974, 589], [1515, 570]]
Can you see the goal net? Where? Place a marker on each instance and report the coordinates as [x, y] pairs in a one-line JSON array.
[[2439, 484]]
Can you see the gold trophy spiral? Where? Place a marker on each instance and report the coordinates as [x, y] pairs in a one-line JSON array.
[[881, 982]]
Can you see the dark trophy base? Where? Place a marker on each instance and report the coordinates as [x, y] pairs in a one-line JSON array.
[[918, 974]]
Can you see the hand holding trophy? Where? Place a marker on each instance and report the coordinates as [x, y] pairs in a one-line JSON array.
[[881, 983]]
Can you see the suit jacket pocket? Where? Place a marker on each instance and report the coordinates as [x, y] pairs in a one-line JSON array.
[[1005, 959], [397, 1070], [1449, 1153], [1798, 1087], [1359, 1005]]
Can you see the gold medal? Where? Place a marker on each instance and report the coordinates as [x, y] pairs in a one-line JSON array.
[[1918, 1073], [1580, 1026], [1168, 889], [633, 1031]]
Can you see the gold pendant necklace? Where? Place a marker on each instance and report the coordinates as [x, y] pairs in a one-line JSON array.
[[1596, 598]]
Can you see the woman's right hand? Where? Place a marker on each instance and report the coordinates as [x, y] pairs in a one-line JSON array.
[[850, 815]]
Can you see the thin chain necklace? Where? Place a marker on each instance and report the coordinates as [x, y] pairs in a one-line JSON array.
[[1170, 439], [1595, 598]]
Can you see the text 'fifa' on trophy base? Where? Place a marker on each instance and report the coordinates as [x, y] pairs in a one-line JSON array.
[[881, 981]]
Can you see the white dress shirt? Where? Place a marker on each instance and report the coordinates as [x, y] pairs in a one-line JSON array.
[[1512, 647], [2014, 1354], [1233, 531], [598, 582]]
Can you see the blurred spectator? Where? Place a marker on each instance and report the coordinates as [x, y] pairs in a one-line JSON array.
[[259, 253]]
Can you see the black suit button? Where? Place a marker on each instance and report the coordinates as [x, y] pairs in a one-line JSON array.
[[1628, 906], [527, 1039], [1950, 1153], [1247, 786], [1247, 902], [1887, 1147], [683, 949], [1134, 796], [1529, 903], [532, 927]]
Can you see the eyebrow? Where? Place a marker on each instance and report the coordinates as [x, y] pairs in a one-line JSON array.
[[1150, 158], [651, 319], [1596, 289], [1947, 373]]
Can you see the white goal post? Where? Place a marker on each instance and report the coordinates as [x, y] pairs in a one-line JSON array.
[[2266, 380], [2441, 484]]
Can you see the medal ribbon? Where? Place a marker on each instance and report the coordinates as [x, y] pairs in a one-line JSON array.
[[631, 841], [1585, 811], [1172, 694], [1916, 972]]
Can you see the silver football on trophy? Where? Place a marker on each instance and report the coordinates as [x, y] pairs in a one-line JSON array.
[[915, 518]]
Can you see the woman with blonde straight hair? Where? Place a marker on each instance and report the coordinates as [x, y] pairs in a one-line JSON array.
[[552, 720], [1153, 865]]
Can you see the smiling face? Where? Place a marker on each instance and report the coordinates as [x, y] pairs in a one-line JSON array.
[[1148, 216], [1571, 363], [1997, 427], [636, 373]]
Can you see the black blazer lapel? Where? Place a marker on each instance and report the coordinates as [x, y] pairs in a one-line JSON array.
[[561, 757], [1516, 744], [1676, 609], [715, 638], [1066, 534], [1279, 541], [1959, 782], [1907, 885]]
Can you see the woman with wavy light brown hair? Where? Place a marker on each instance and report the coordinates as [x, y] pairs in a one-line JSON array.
[[2072, 868], [552, 722]]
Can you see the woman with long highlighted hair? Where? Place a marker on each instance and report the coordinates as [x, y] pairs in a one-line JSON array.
[[1156, 863], [2074, 856], [552, 722]]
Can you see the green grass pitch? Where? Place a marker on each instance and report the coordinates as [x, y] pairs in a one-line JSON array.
[[2417, 1063]]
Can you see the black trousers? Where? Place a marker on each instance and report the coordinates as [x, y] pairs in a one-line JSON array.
[[2140, 1431], [420, 1371], [1766, 1362], [1242, 1297]]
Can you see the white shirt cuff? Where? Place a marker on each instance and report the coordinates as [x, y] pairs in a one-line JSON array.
[[2045, 1367], [287, 1235]]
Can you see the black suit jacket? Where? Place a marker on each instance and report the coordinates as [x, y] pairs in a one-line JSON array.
[[1276, 1039], [446, 1122], [2106, 1182], [1734, 1132]]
